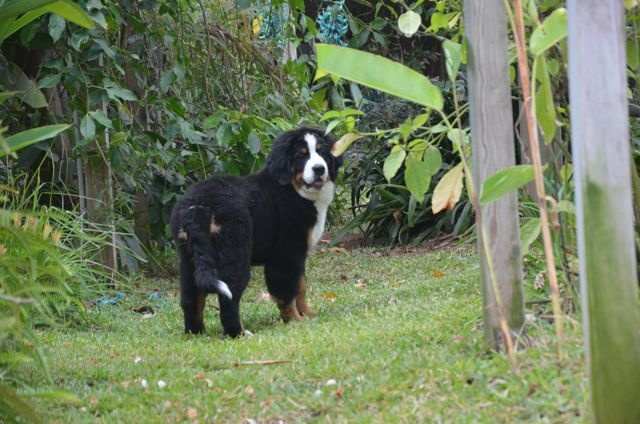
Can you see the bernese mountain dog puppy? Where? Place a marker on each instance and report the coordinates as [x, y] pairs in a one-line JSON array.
[[226, 224]]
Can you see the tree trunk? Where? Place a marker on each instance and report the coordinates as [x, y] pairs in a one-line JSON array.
[[601, 154], [493, 149]]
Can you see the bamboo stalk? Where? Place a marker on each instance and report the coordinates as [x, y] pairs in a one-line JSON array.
[[517, 24]]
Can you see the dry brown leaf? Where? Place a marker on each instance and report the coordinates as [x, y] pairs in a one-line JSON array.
[[438, 274], [192, 413], [343, 144], [339, 391], [329, 295], [449, 189]]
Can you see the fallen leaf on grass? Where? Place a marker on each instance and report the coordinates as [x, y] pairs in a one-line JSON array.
[[339, 392], [192, 413], [329, 295], [438, 274], [249, 391], [337, 250]]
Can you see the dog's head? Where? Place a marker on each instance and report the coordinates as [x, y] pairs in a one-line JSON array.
[[302, 157]]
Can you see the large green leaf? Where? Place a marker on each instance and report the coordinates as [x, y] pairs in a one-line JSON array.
[[28, 10], [25, 138], [453, 57], [409, 22], [544, 106], [552, 30], [11, 9], [505, 181], [416, 176], [529, 232], [393, 162], [379, 73], [6, 95], [432, 159], [71, 12]]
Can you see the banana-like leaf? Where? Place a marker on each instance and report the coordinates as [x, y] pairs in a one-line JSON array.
[[379, 73], [26, 138]]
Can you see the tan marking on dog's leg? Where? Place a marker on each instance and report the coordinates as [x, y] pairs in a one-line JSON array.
[[182, 234], [214, 228], [301, 300], [288, 311]]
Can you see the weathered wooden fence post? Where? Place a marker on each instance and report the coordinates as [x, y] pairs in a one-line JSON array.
[[602, 157], [493, 149]]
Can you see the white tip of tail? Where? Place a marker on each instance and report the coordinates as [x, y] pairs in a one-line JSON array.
[[223, 289]]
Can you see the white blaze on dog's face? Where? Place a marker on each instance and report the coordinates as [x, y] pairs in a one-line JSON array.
[[315, 184], [315, 172]]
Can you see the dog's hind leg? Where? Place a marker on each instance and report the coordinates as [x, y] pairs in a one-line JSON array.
[[233, 258], [192, 299], [195, 232]]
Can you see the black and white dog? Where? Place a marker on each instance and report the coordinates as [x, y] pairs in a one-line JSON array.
[[224, 225]]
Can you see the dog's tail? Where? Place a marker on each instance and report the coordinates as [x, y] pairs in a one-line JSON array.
[[195, 221]]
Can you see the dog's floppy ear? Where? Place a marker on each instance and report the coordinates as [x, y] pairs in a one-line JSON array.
[[279, 160]]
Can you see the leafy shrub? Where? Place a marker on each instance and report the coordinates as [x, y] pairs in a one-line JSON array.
[[386, 210], [47, 267]]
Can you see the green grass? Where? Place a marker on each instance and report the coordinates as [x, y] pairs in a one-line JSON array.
[[405, 346]]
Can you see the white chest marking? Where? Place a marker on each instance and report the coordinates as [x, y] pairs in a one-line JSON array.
[[322, 205], [320, 198]]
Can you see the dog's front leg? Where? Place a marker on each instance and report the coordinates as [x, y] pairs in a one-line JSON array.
[[283, 279], [301, 299]]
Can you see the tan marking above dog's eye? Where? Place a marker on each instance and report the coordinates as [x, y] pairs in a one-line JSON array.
[[304, 150]]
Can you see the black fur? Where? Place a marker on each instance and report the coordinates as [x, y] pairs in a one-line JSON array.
[[224, 225]]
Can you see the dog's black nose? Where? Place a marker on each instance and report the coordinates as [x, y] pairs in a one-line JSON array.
[[318, 170]]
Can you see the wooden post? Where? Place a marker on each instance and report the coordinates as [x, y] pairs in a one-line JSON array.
[[601, 155], [492, 146]]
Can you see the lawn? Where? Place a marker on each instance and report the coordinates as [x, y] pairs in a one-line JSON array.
[[397, 338]]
